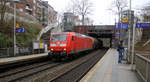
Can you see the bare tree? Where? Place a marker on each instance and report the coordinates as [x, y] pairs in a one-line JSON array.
[[82, 8], [118, 6], [3, 9]]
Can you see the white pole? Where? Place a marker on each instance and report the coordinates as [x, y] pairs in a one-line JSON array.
[[129, 30], [14, 28], [129, 33], [133, 42], [119, 27], [48, 16]]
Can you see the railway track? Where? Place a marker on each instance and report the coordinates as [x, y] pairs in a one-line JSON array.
[[49, 71], [26, 71], [77, 72], [73, 71]]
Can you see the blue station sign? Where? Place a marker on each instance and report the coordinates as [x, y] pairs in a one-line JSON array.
[[121, 26], [143, 25], [20, 30], [119, 35]]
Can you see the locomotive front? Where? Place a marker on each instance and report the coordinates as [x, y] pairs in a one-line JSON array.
[[58, 45]]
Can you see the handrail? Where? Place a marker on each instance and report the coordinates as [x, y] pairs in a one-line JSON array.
[[142, 67], [44, 30], [142, 56]]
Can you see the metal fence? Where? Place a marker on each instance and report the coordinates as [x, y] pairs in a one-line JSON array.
[[6, 52], [143, 67], [9, 52]]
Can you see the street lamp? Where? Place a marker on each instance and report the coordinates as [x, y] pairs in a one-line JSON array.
[[129, 38], [132, 54], [15, 1], [129, 30]]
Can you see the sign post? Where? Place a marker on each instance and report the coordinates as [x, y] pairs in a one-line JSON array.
[[14, 28], [129, 33], [15, 1]]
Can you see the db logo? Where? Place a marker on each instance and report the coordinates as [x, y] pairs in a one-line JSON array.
[[58, 43]]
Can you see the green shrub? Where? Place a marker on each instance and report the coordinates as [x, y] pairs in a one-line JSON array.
[[5, 41], [22, 39]]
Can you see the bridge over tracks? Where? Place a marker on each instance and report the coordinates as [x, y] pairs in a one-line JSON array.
[[104, 33]]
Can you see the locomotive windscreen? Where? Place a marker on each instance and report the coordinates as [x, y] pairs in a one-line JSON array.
[[59, 37]]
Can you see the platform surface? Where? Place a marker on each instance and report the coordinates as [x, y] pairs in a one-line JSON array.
[[108, 70], [19, 58]]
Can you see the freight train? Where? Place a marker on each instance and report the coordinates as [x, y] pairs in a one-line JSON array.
[[69, 44]]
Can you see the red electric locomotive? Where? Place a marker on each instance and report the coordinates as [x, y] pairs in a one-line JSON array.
[[66, 44]]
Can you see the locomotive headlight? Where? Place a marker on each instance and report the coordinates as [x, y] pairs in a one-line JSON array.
[[62, 45], [64, 49], [52, 49]]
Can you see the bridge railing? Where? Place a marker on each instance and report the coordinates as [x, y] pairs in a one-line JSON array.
[[143, 67]]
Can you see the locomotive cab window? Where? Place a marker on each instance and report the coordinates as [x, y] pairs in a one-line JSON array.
[[59, 37]]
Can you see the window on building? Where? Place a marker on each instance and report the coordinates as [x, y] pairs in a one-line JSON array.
[[34, 1]]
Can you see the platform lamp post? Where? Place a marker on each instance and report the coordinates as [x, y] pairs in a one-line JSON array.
[[130, 26], [15, 1], [129, 38]]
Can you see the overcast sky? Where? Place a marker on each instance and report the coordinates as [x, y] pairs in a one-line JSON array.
[[100, 14]]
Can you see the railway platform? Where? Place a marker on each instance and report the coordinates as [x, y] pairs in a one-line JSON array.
[[4, 61], [108, 70]]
